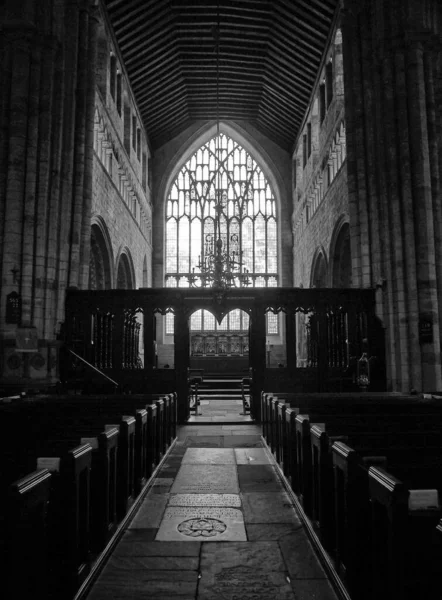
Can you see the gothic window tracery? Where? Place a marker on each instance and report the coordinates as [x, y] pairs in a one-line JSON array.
[[221, 168]]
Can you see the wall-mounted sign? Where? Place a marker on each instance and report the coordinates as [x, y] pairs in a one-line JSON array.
[[13, 308], [426, 329], [26, 339]]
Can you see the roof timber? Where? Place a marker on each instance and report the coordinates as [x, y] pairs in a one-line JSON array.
[[270, 52]]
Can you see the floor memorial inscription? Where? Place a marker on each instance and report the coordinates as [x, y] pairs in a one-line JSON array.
[[205, 500], [187, 523]]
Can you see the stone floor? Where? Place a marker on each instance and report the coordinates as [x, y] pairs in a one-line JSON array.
[[217, 524], [227, 410]]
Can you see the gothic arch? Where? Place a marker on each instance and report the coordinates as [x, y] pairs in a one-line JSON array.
[[125, 272], [101, 259], [319, 270], [340, 255], [260, 155]]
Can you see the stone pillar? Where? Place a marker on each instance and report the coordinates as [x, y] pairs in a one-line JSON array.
[[393, 166], [38, 118]]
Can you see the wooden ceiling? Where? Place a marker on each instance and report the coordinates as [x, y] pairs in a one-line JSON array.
[[269, 55]]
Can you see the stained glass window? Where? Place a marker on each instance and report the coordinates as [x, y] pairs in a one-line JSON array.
[[221, 168]]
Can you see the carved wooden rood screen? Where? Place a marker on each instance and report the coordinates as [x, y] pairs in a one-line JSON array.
[[109, 328]]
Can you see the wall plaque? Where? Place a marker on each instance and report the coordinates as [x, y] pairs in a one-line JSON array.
[[425, 329], [13, 308]]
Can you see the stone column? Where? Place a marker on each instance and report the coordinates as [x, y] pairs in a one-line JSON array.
[[393, 169]]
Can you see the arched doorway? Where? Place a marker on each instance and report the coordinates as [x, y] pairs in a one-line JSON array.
[[219, 366], [125, 273], [341, 259], [100, 273]]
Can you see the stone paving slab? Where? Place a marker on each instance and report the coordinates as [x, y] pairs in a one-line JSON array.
[[265, 556], [251, 456], [313, 589], [241, 440], [202, 441], [202, 524], [244, 583], [258, 478], [212, 479], [209, 456], [245, 571], [162, 485], [150, 512], [271, 532], [144, 584], [268, 507], [300, 558], [155, 563], [231, 500], [135, 545]]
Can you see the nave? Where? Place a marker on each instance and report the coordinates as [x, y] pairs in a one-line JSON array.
[[216, 523]]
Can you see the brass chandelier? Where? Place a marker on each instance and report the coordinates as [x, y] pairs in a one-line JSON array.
[[221, 263]]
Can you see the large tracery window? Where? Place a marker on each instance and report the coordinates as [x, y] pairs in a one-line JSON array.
[[221, 168]]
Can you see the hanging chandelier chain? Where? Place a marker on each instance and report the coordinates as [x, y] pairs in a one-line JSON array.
[[220, 265]]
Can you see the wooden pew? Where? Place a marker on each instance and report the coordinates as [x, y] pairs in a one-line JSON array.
[[69, 518], [25, 559], [403, 551]]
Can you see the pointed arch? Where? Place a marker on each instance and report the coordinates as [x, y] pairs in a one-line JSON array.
[[221, 167], [101, 258], [125, 271], [319, 270], [340, 255]]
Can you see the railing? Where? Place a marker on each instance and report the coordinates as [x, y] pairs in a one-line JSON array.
[[94, 368]]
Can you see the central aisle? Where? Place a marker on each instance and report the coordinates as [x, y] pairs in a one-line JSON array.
[[216, 524]]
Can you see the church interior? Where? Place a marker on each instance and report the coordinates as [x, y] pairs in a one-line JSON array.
[[221, 299]]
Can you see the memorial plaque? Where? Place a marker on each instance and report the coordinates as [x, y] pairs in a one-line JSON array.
[[202, 524], [205, 500], [13, 308], [209, 456], [213, 479], [242, 582], [251, 456]]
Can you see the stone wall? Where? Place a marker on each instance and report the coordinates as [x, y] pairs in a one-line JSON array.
[[319, 180]]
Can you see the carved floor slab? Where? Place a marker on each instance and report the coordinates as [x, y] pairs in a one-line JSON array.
[[202, 524], [231, 500]]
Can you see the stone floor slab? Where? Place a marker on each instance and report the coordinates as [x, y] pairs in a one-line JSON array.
[[271, 532], [313, 589], [251, 456], [244, 583], [262, 556], [209, 456], [269, 507], [231, 500], [150, 512], [136, 546], [202, 524], [212, 479], [204, 441], [156, 563], [302, 562], [146, 584], [258, 478], [242, 441]]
